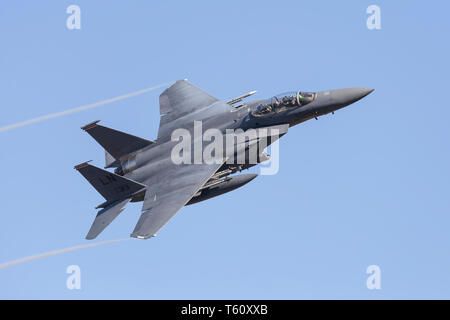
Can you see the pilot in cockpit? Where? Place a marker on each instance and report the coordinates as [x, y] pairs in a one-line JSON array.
[[284, 102]]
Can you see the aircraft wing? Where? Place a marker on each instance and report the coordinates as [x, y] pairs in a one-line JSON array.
[[170, 186], [168, 191], [182, 103]]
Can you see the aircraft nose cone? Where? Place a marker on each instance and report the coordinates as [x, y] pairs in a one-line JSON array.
[[345, 97]]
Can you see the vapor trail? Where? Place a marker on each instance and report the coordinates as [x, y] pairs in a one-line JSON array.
[[56, 252], [78, 109]]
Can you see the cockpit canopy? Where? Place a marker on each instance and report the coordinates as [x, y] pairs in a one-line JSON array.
[[283, 102]]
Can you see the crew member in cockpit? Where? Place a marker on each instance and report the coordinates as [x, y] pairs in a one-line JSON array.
[[267, 109]]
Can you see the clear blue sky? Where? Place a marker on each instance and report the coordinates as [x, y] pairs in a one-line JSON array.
[[369, 185]]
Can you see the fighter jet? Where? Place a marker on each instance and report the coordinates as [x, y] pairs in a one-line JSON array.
[[145, 170]]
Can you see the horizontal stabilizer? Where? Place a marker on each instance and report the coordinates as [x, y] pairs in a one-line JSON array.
[[116, 143], [105, 217], [110, 185]]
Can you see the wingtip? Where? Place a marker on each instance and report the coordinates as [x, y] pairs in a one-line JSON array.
[[145, 237]]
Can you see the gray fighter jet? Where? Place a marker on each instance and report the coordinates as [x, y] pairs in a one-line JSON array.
[[146, 171]]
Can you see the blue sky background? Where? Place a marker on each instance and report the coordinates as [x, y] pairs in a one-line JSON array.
[[369, 185]]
